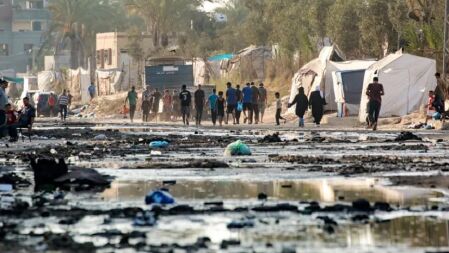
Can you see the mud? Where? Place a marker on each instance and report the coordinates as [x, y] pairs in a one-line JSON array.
[[300, 191]]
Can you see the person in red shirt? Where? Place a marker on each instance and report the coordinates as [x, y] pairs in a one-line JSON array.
[[51, 103], [430, 106], [374, 92], [11, 117]]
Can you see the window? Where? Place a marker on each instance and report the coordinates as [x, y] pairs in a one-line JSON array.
[[37, 26], [34, 4], [4, 50], [28, 48]]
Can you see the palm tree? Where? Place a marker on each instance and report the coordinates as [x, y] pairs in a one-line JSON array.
[[75, 24]]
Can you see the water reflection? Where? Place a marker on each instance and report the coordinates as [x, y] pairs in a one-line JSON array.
[[327, 191]]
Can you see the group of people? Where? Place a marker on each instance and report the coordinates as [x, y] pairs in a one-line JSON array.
[[223, 107], [63, 102], [315, 102], [11, 120]]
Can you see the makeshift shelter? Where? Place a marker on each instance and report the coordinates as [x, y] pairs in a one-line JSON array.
[[205, 71], [48, 80], [313, 74], [407, 80], [347, 79], [78, 81], [110, 81], [249, 63]]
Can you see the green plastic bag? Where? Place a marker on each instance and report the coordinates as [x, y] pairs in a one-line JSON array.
[[237, 148]]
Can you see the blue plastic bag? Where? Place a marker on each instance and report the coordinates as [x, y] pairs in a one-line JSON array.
[[237, 148], [159, 144], [159, 197], [436, 116], [239, 106]]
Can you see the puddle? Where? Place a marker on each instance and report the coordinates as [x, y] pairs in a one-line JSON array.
[[322, 190]]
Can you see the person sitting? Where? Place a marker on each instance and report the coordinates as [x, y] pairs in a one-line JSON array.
[[26, 120], [10, 115]]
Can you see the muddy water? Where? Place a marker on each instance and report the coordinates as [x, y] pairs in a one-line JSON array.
[[322, 190]]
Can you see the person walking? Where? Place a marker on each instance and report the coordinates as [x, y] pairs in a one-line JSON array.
[[131, 98], [212, 101], [63, 101], [263, 100], [221, 105], [277, 95], [247, 97], [302, 103], [375, 91], [200, 100], [239, 105], [156, 101], [51, 103], [146, 104], [254, 104], [167, 105], [92, 90], [317, 103], [176, 105], [231, 101], [70, 100], [3, 103], [186, 101]]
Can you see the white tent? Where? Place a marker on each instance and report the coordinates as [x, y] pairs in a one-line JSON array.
[[347, 79], [407, 80]]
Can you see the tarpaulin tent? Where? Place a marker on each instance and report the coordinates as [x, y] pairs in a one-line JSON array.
[[204, 72], [249, 63], [221, 57], [314, 74], [48, 80], [78, 81], [406, 78], [347, 79]]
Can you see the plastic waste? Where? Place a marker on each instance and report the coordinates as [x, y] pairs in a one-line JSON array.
[[155, 153], [436, 116], [237, 148], [144, 219], [5, 187], [159, 197], [159, 144], [100, 137]]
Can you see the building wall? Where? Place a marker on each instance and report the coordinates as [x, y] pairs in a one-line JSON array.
[[21, 32]]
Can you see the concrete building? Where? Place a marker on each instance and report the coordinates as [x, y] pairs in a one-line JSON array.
[[116, 69], [22, 23]]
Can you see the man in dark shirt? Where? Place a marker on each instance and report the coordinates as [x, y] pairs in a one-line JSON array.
[[156, 99], [26, 120], [200, 99], [231, 101], [375, 91], [254, 104], [186, 100]]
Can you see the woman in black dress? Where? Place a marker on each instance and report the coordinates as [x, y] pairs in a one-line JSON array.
[[302, 104], [317, 103]]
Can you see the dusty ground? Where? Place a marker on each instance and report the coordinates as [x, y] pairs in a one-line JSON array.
[[329, 189]]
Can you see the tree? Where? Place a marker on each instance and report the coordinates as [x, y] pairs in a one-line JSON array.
[[75, 24]]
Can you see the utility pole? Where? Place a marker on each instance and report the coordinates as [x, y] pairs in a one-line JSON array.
[[446, 41]]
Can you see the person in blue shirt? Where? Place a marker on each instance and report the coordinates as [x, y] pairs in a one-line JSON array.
[[247, 96], [231, 101], [92, 91], [212, 101]]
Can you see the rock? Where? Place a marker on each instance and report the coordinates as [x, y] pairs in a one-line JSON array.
[[327, 220], [227, 243], [276, 208], [360, 218], [88, 177], [13, 179], [362, 205], [100, 137]]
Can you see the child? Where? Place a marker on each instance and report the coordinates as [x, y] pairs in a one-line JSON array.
[[430, 106], [10, 115], [279, 109], [221, 105]]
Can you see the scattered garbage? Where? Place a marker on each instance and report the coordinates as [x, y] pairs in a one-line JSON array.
[[100, 137], [239, 224], [159, 197], [159, 144], [407, 136], [274, 138], [89, 177], [144, 219], [47, 170], [437, 116], [5, 187], [155, 153], [237, 148]]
